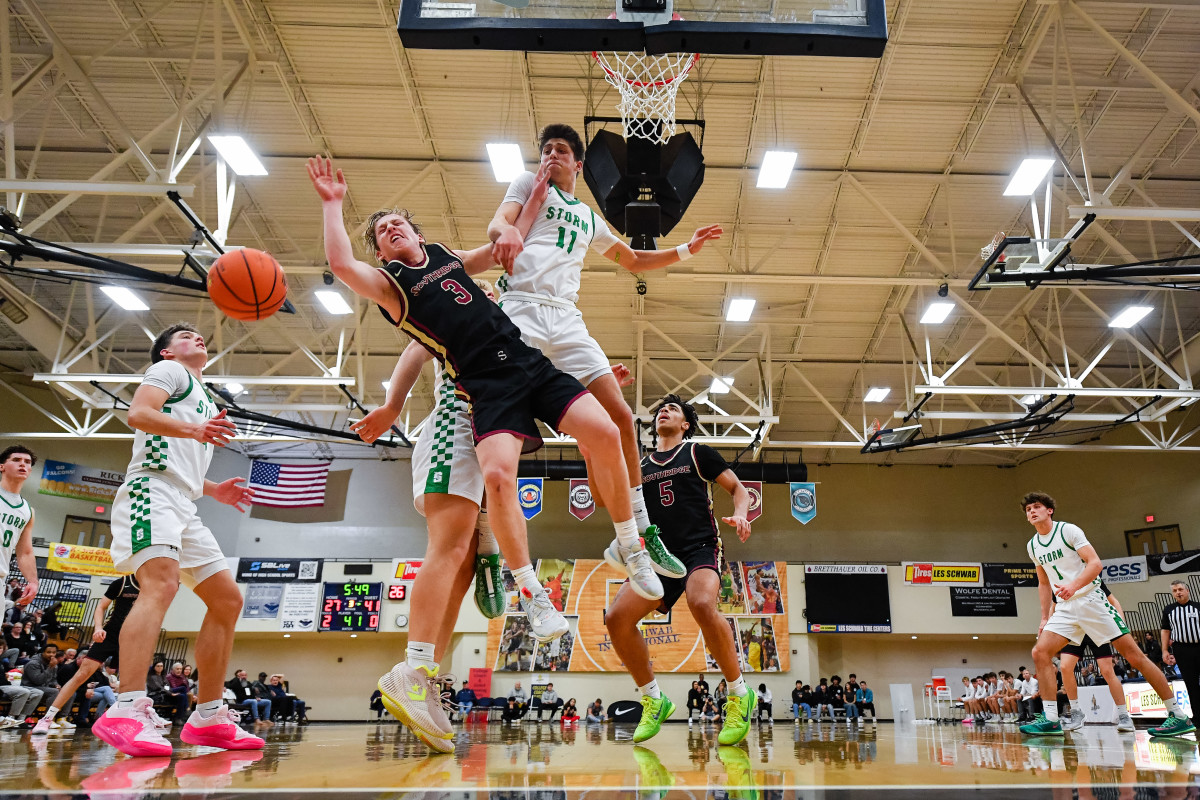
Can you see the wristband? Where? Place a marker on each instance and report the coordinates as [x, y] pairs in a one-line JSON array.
[[683, 252]]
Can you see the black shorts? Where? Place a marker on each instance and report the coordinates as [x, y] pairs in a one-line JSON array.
[[110, 648], [509, 399], [1099, 651], [703, 555]]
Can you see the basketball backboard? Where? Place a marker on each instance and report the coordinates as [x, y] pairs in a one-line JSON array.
[[855, 28], [1024, 260]]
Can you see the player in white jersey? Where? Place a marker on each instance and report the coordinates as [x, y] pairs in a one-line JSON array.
[[1069, 568], [158, 536], [541, 291], [16, 520]]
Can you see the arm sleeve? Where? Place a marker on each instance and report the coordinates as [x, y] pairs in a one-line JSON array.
[[170, 376], [1074, 536], [520, 189], [602, 238], [709, 462], [114, 589]]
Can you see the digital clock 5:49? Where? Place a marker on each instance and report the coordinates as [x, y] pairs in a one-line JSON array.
[[351, 607]]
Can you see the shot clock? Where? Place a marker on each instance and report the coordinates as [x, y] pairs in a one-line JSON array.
[[351, 607]]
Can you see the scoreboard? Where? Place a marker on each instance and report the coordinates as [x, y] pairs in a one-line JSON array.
[[351, 607]]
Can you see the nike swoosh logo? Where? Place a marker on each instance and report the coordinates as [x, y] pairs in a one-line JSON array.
[[1168, 566]]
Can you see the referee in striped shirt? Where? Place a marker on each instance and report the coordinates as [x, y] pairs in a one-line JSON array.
[[1181, 631]]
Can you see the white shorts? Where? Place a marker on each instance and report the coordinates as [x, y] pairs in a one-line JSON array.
[[1088, 614], [443, 459], [152, 519], [561, 334]]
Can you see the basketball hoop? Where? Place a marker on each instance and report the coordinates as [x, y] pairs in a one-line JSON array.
[[986, 252], [648, 85]]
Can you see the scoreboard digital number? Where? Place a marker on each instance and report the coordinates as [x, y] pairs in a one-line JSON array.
[[351, 607]]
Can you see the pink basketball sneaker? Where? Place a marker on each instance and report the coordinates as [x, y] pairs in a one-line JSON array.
[[131, 729], [219, 730]]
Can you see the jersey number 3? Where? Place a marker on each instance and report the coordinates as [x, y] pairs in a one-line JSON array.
[[461, 296]]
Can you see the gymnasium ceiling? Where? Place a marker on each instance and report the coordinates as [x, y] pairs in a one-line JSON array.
[[902, 163]]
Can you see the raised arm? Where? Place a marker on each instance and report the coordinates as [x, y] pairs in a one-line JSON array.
[[481, 259], [404, 377], [362, 278], [645, 260]]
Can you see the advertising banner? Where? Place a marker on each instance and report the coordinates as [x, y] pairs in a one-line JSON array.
[[983, 601], [1022, 573], [81, 560], [1172, 563], [1125, 570], [64, 479], [298, 611], [942, 574], [279, 570], [262, 601]]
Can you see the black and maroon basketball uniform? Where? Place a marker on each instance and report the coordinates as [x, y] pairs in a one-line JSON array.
[[677, 485], [507, 382], [1087, 645], [122, 592]]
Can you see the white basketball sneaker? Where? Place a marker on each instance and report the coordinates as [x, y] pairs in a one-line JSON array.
[[638, 566], [546, 622]]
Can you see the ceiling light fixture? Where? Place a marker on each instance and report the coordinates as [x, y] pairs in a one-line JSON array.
[[334, 302], [1130, 316], [125, 298], [721, 385], [1028, 177], [237, 154], [740, 309], [776, 169], [936, 313], [234, 388], [877, 394], [506, 159]]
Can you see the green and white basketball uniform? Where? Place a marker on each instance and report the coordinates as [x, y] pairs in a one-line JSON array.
[[443, 459], [15, 513], [154, 513], [1088, 612], [540, 294]]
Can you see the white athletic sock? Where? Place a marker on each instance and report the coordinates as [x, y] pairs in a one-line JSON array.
[[487, 540], [1122, 709], [125, 699], [738, 687], [1071, 705], [420, 654], [1173, 706], [526, 578], [627, 533], [640, 515], [52, 712], [651, 689], [1051, 711], [209, 710]]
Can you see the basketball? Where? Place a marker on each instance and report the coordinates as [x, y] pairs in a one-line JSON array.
[[247, 284]]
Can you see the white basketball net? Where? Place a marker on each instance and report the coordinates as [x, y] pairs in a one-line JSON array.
[[648, 85]]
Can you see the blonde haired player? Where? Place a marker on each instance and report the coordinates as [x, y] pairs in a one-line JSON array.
[[158, 536], [545, 263], [1069, 568]]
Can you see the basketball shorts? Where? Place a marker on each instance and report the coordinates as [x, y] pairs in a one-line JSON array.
[[443, 459], [510, 398], [1088, 615], [705, 554], [560, 333], [152, 518], [110, 648], [1087, 645]]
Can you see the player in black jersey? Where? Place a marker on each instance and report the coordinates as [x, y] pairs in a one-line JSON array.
[[106, 640], [426, 290], [677, 481]]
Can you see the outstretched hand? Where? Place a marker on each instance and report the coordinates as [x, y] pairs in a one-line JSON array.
[[329, 183], [702, 235], [740, 524], [622, 374], [541, 186], [232, 493], [375, 424], [217, 430]]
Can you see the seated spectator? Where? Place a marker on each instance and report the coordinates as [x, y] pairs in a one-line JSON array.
[[720, 696], [177, 684], [50, 624], [23, 700], [550, 700], [67, 665], [377, 704], [694, 700], [244, 699], [512, 711], [466, 700], [1170, 668], [99, 695], [570, 714], [193, 682], [33, 629], [159, 690], [1031, 699], [283, 704], [764, 704], [19, 646], [865, 700], [595, 712], [821, 699], [709, 713], [41, 675], [518, 694]]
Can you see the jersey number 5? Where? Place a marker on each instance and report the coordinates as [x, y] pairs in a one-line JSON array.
[[461, 296], [665, 495]]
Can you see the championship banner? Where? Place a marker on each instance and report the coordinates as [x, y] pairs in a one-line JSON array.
[[755, 490], [983, 601], [580, 502], [1172, 563], [81, 560], [1124, 570], [804, 501], [1018, 574], [529, 495], [64, 479], [942, 574], [752, 598]]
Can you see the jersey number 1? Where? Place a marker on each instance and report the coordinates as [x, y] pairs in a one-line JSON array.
[[562, 239], [1056, 572]]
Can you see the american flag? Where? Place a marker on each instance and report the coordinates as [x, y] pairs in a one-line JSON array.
[[288, 485]]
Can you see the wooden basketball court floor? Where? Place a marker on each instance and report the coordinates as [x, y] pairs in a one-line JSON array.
[[548, 762]]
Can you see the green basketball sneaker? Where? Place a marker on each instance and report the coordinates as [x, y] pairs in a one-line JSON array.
[[654, 713], [664, 563], [1176, 725], [738, 711], [739, 772], [656, 779], [489, 588], [1042, 727]]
